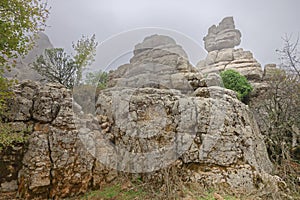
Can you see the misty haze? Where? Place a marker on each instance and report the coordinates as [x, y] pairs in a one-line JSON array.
[[149, 99]]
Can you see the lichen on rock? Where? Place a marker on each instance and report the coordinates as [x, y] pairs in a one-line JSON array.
[[157, 110]]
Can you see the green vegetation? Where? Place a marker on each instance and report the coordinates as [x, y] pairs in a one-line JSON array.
[[98, 79], [116, 192], [85, 51], [235, 81], [20, 21], [65, 69], [11, 135]]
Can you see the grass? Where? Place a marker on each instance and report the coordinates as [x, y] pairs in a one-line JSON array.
[[137, 192], [116, 192]]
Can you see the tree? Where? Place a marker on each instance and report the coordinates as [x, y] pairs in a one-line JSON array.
[[235, 81], [279, 107], [20, 21], [57, 66], [98, 79], [85, 51], [278, 110], [289, 56]]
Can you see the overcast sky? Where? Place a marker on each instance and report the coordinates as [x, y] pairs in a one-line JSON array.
[[261, 22]]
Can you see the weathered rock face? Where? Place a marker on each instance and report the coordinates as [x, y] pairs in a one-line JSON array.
[[215, 133], [237, 59], [222, 36], [269, 70], [55, 163], [158, 110], [22, 70], [220, 43], [158, 59]]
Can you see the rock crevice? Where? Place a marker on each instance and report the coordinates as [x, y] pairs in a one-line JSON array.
[[156, 111]]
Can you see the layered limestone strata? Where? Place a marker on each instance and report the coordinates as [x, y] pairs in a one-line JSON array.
[[158, 110], [222, 36]]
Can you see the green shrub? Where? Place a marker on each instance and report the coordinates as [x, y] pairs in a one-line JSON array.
[[5, 92], [11, 135], [235, 81], [98, 79]]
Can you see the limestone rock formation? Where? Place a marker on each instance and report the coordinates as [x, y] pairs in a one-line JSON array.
[[157, 60], [22, 70], [222, 55], [237, 59], [269, 70], [214, 131], [54, 163], [222, 36], [157, 111]]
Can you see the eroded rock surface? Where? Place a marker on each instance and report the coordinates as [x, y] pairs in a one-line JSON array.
[[237, 59], [54, 163], [158, 110], [222, 55], [225, 35], [217, 133]]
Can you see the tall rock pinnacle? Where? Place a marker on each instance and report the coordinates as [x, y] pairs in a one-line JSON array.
[[222, 36]]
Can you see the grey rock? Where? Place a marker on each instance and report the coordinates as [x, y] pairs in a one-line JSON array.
[[9, 186], [22, 70], [270, 70], [237, 59], [157, 112], [224, 55], [222, 36]]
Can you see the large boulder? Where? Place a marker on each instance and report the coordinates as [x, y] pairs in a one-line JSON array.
[[222, 36], [159, 61], [220, 42]]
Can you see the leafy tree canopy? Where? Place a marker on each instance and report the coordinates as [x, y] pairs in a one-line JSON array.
[[57, 66], [85, 51], [98, 79], [20, 21]]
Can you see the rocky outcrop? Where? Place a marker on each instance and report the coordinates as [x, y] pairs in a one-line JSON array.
[[222, 36], [158, 110], [220, 43], [157, 60], [22, 70], [237, 59], [270, 70], [53, 163], [152, 122]]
